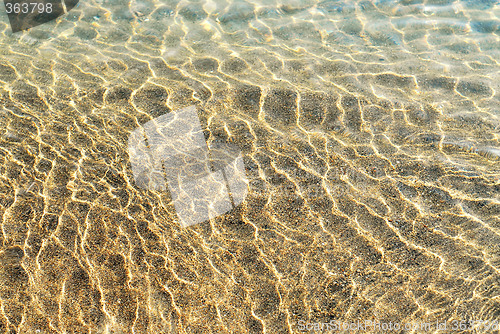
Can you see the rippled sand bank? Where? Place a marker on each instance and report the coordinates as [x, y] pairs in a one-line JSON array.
[[370, 139]]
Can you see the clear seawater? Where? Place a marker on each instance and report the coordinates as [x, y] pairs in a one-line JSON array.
[[370, 137]]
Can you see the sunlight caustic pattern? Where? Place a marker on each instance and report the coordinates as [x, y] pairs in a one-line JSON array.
[[369, 134], [170, 153]]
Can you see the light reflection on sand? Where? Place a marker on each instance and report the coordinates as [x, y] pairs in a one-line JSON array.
[[369, 132]]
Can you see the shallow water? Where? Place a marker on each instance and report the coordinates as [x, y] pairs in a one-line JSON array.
[[370, 137]]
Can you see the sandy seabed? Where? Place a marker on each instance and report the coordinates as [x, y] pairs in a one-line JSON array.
[[370, 136]]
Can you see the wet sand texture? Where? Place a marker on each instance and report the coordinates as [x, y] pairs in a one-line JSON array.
[[369, 133]]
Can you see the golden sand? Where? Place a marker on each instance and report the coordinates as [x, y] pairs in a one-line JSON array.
[[370, 135]]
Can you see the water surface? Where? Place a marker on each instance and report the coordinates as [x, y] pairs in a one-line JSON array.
[[370, 136]]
